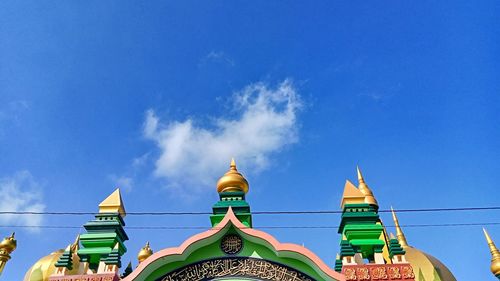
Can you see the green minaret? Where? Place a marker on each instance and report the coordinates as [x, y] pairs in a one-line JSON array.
[[363, 235], [232, 187], [105, 235]]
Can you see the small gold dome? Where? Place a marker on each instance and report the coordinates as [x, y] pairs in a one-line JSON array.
[[232, 180], [144, 253], [9, 244]]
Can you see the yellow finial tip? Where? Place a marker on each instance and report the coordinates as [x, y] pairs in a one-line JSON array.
[[233, 163], [360, 175], [487, 235], [393, 213], [76, 243], [392, 236]]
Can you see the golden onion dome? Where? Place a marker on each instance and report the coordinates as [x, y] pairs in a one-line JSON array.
[[45, 267], [232, 180], [427, 267], [144, 253], [9, 244]]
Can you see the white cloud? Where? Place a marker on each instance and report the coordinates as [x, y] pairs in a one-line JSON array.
[[21, 193], [123, 182], [217, 57], [192, 155]]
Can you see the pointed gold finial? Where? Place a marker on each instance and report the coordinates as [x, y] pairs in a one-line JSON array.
[[76, 244], [391, 236], [399, 233], [360, 175], [113, 204], [495, 255], [144, 253], [7, 246], [232, 180], [363, 187]]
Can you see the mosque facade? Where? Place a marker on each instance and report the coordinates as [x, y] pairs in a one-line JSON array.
[[233, 250]]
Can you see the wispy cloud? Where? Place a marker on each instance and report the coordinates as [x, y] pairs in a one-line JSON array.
[[21, 193], [192, 155], [123, 182], [11, 114], [218, 57]]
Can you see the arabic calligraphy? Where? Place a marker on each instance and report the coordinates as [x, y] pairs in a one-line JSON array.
[[235, 267], [231, 244]]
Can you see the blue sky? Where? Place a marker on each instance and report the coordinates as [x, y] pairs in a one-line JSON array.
[[157, 96]]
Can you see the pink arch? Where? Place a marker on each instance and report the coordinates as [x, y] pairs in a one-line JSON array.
[[231, 218]]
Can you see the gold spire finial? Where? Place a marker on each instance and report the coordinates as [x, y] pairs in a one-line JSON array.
[[363, 187], [144, 253], [360, 175], [7, 246], [495, 255], [391, 236], [113, 204], [399, 233], [76, 244], [232, 180]]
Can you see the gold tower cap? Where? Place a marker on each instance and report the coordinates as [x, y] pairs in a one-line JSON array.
[[363, 187], [399, 232], [495, 254], [9, 244], [144, 253], [232, 180], [113, 204]]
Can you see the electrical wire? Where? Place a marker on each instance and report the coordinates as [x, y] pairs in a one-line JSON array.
[[258, 227], [459, 209]]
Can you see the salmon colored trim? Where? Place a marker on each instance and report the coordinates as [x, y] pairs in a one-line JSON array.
[[231, 217]]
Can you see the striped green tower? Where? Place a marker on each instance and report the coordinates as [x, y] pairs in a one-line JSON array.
[[232, 188], [103, 244], [363, 235]]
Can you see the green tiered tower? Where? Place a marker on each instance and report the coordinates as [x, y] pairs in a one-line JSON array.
[[363, 235], [232, 187], [66, 259], [103, 242]]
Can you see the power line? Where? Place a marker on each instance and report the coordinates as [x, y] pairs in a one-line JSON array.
[[458, 209], [260, 227]]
